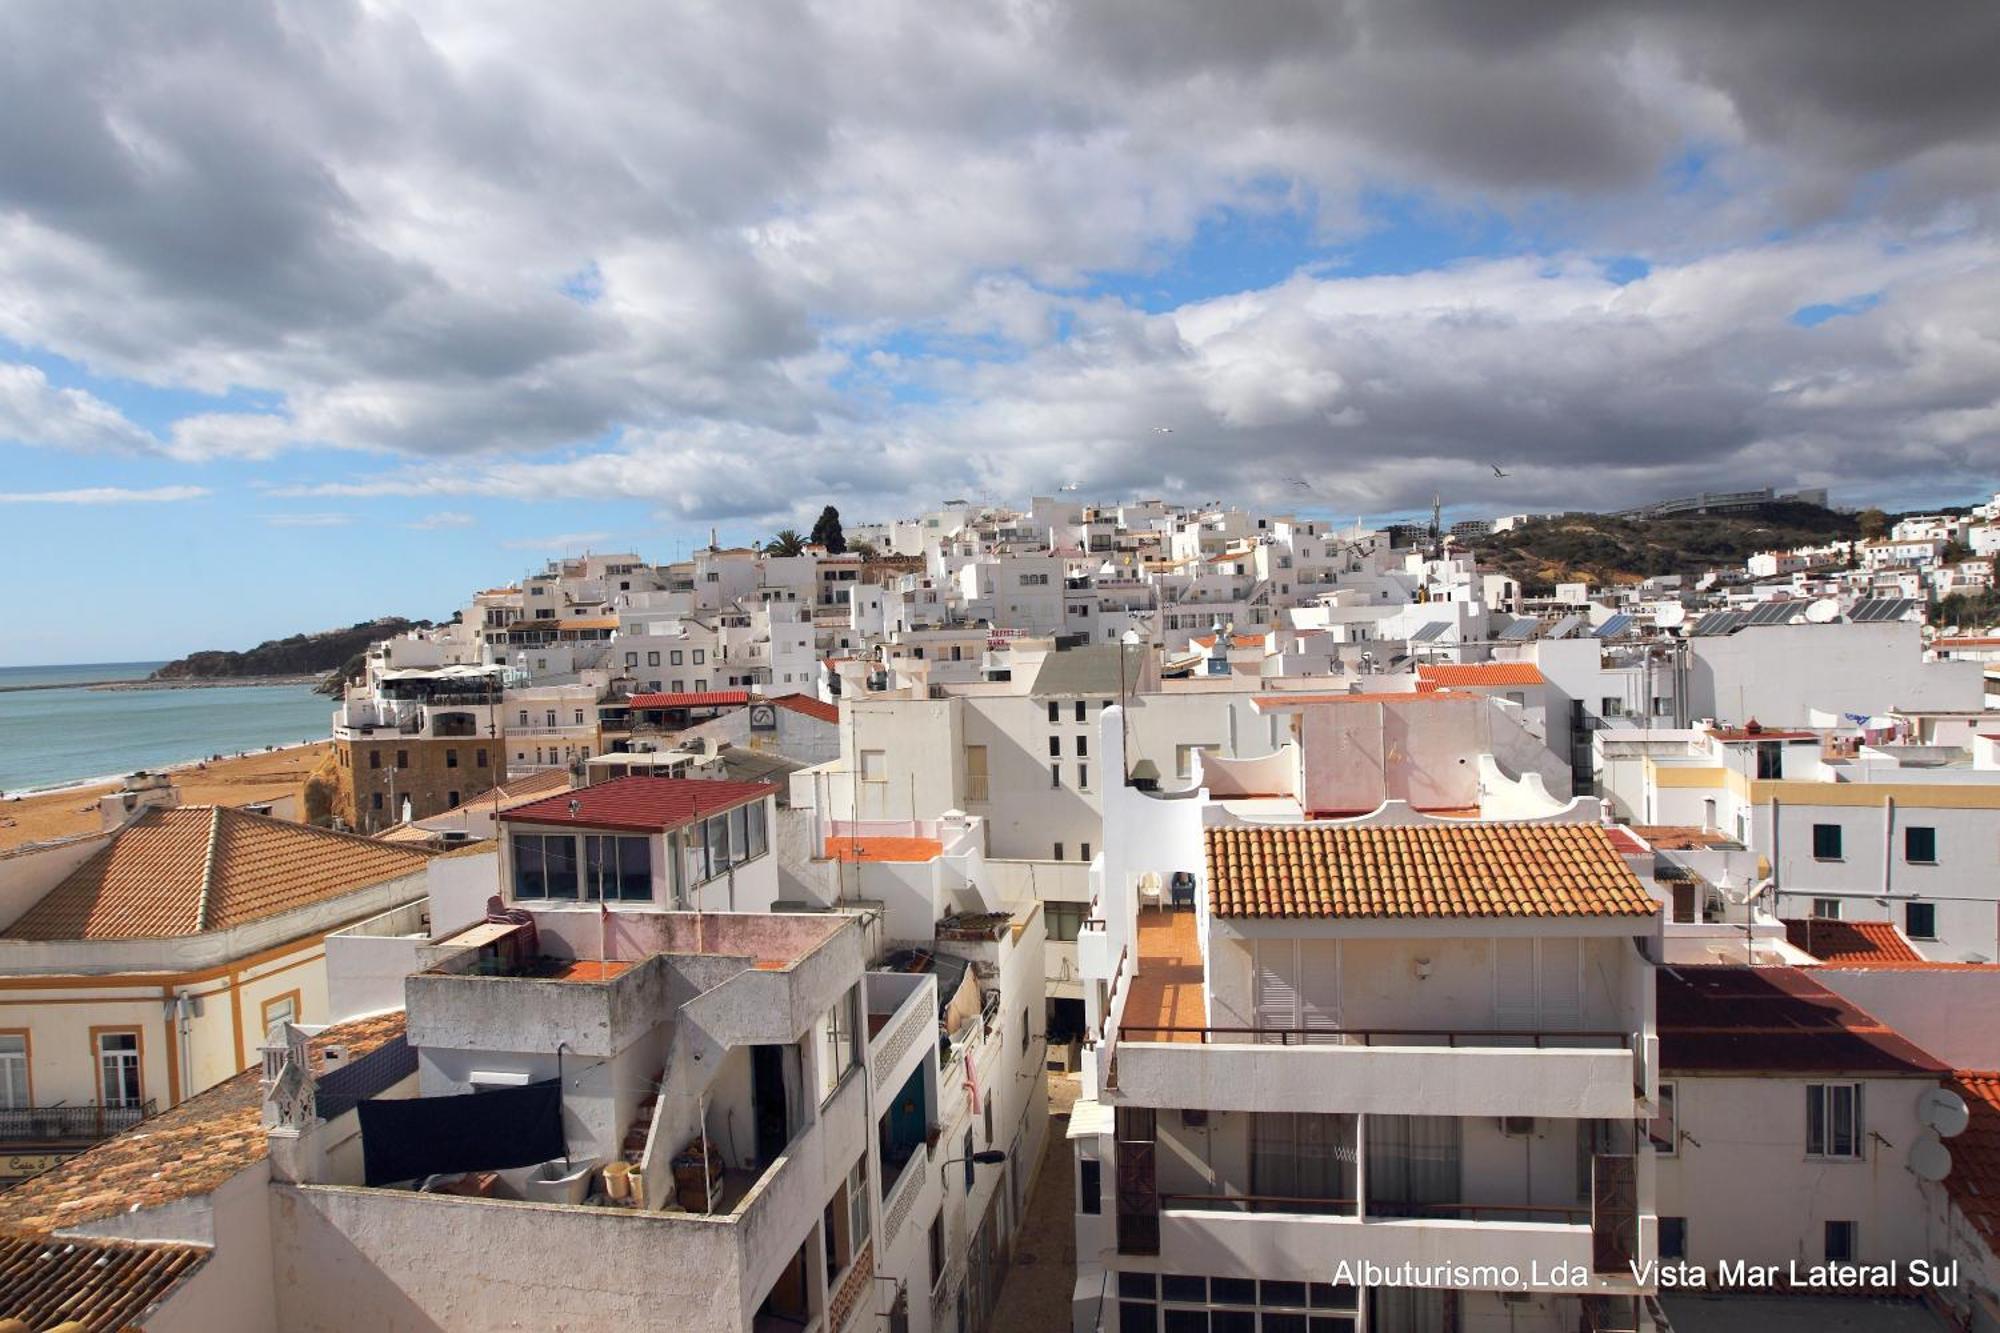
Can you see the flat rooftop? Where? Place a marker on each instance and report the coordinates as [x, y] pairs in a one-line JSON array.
[[1166, 992], [883, 849]]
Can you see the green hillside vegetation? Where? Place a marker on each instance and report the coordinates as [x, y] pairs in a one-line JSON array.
[[1600, 549], [299, 655]]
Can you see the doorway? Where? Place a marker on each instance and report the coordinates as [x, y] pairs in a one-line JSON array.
[[768, 1103]]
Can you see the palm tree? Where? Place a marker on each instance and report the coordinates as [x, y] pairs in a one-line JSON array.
[[785, 542]]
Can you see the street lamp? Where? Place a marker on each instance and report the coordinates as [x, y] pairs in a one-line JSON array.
[[987, 1157]]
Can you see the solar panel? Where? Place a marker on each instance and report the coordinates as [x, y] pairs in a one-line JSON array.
[[1563, 628], [1613, 627], [1716, 623], [1428, 632], [1520, 629], [1874, 610], [1773, 613]]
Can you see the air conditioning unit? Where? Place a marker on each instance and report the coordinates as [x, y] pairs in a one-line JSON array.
[[1517, 1126]]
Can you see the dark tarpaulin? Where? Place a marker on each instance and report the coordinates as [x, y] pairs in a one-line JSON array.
[[409, 1138]]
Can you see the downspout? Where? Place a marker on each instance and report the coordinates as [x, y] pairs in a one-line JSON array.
[[1888, 843]]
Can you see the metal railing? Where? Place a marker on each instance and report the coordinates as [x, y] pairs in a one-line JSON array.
[[1340, 1036], [70, 1124]]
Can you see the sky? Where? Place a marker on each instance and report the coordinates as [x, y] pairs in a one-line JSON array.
[[312, 313]]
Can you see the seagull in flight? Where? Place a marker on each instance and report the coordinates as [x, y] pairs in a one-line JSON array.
[[1163, 430], [1497, 472], [1300, 484], [1070, 485]]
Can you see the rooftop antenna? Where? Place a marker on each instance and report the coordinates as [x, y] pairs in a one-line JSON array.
[[1437, 526]]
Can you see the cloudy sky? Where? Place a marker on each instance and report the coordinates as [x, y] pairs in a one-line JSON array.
[[318, 311]]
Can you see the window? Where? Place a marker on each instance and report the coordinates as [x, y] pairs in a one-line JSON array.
[[632, 660], [1826, 842], [937, 1249], [280, 1009], [1920, 920], [524, 717], [1611, 706], [1034, 580], [402, 759], [1055, 711], [451, 761], [700, 657], [1664, 1128], [857, 1204], [617, 869], [1083, 777], [1920, 845], [14, 1094], [700, 684], [965, 1151], [1055, 775], [1064, 921], [874, 765], [1090, 1186], [450, 800], [674, 658], [1083, 852], [544, 865], [118, 1069], [839, 1043], [479, 758], [1079, 710], [1673, 1237], [578, 720], [374, 759], [1055, 747], [1840, 1242], [1058, 853], [1770, 760], [986, 1109], [1826, 909], [1082, 746], [1833, 1120], [975, 773], [376, 799], [652, 659]]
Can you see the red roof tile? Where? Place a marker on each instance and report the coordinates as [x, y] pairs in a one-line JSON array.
[[692, 699], [1481, 674], [808, 706], [1851, 941], [95, 1284], [640, 804], [1773, 1020], [1422, 870], [1974, 1181]]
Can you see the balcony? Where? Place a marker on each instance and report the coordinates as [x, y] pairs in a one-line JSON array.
[[69, 1126]]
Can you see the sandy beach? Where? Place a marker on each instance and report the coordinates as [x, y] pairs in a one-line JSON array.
[[237, 780]]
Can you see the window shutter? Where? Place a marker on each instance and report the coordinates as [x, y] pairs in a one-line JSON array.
[[1276, 1000], [1319, 988]]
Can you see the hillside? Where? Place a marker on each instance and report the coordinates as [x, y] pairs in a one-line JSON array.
[[299, 655], [1604, 550]]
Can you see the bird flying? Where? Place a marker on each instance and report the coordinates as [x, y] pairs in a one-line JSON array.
[[1497, 472]]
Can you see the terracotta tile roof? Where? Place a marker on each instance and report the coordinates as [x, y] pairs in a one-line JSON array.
[[182, 1153], [1974, 1181], [809, 706], [692, 699], [1851, 941], [1773, 1020], [1280, 699], [531, 787], [639, 804], [199, 868], [1480, 674], [1456, 870], [100, 1285]]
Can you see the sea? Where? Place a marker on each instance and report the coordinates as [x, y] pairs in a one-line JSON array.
[[56, 737]]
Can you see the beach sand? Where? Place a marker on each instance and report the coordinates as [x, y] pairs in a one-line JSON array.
[[238, 780]]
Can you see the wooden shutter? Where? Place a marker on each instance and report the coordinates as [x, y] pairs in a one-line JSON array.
[[1562, 985], [1276, 996], [1319, 989], [1514, 985]]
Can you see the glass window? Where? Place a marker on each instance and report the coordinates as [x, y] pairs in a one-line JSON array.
[[739, 835], [1055, 711], [284, 1009], [617, 869], [1673, 1237], [1664, 1129], [1063, 920], [544, 866], [14, 1071], [1920, 920], [1840, 1242], [1079, 710], [1920, 844], [118, 1068], [759, 840], [694, 855], [1090, 1186], [1826, 909], [1826, 842], [1055, 747], [1833, 1120]]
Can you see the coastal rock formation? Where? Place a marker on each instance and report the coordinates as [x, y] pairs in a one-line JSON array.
[[299, 655]]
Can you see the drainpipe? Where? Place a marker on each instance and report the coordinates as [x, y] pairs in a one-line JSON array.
[[184, 1021], [1888, 843]]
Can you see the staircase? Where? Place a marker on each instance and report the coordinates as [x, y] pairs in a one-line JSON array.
[[634, 1147]]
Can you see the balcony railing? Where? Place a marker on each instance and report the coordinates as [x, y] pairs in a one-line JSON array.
[[1490, 1037], [70, 1124]]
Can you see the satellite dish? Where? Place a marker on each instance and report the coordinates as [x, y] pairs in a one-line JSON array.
[[1824, 611], [1929, 1159], [1944, 1111], [1672, 614]]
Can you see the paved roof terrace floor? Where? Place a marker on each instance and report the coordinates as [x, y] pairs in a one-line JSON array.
[[1166, 992]]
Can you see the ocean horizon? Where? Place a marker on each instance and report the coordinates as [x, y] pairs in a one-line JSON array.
[[57, 737]]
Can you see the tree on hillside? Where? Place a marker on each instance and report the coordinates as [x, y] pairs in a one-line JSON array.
[[1874, 524], [786, 541], [827, 532]]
